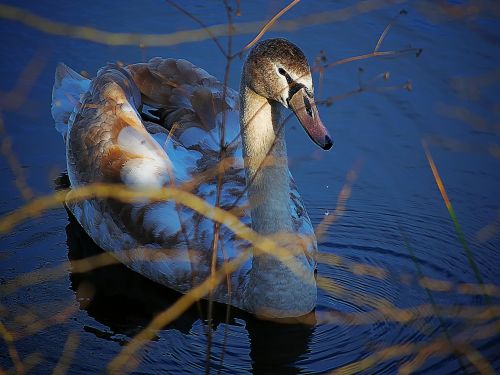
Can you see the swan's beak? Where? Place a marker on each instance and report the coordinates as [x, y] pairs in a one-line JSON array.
[[305, 109]]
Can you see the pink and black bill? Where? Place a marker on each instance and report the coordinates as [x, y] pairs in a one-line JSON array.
[[301, 102]]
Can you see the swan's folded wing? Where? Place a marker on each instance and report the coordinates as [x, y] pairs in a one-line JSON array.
[[191, 102], [108, 143]]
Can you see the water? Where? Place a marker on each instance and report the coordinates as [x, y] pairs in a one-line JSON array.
[[453, 107]]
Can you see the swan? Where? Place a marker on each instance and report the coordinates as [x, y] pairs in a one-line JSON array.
[[154, 124]]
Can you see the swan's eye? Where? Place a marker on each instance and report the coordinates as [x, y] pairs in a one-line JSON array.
[[307, 104], [283, 72]]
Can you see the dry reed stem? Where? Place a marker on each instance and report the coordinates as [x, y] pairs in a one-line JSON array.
[[436, 285], [476, 121], [15, 98], [201, 23], [477, 359], [451, 211], [119, 192], [13, 353], [409, 315], [29, 362], [469, 88], [106, 259], [439, 346], [220, 175], [439, 11], [40, 324], [342, 198], [362, 299], [425, 353], [67, 356], [490, 230], [15, 166], [83, 265], [91, 34], [375, 53], [360, 270], [365, 56], [47, 274], [455, 145]]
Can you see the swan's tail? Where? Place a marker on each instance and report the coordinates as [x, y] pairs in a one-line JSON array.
[[69, 86]]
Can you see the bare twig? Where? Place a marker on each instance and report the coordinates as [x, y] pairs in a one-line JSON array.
[[451, 211], [266, 27], [45, 25], [14, 355], [386, 30], [220, 177], [343, 196], [435, 347], [19, 175], [67, 356], [405, 51], [16, 97], [199, 22]]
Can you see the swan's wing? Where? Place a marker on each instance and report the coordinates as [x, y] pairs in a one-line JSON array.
[[108, 142]]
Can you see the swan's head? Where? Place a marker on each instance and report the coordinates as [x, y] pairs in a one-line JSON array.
[[278, 70]]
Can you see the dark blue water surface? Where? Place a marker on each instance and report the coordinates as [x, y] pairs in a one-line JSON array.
[[395, 221]]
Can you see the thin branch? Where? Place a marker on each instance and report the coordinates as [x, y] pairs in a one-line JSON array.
[[91, 34], [405, 51], [435, 347], [199, 22], [14, 355], [342, 198], [220, 177], [266, 27], [20, 179], [67, 356], [387, 28], [435, 308]]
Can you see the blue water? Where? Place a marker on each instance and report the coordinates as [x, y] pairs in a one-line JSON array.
[[454, 107]]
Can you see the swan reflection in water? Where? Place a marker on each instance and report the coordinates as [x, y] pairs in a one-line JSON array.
[[126, 302]]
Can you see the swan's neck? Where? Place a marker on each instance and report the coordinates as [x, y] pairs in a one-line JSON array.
[[272, 289], [266, 163]]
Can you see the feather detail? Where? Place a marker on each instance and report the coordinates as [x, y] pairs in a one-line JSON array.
[[68, 88]]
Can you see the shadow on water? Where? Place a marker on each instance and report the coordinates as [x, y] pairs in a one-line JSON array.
[[126, 302]]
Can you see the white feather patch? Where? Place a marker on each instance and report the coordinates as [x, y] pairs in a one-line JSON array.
[[152, 169]]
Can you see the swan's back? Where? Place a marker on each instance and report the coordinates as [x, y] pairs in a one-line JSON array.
[[190, 97]]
